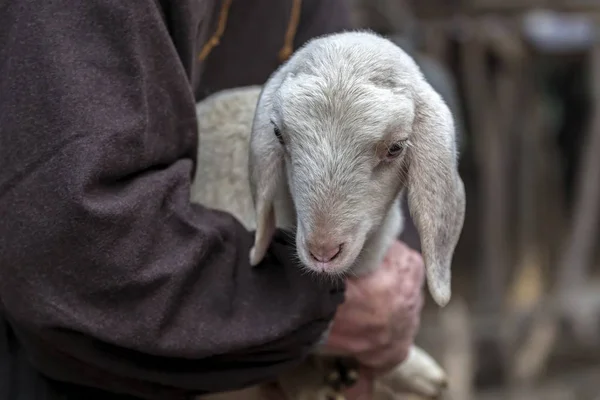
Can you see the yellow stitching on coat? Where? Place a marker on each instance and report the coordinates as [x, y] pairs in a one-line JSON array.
[[285, 52], [288, 46], [214, 40]]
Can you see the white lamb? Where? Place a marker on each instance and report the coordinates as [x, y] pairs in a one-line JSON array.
[[326, 149]]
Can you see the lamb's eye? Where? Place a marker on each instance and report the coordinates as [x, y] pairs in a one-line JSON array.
[[277, 133], [395, 150]]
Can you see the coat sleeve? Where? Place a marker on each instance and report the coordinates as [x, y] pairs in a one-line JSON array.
[[110, 277]]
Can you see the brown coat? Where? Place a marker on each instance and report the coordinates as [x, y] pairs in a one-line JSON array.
[[109, 277]]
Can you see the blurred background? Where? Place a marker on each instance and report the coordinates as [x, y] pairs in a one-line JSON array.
[[523, 80]]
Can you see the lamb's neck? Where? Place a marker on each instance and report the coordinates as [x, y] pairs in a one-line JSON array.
[[377, 245]]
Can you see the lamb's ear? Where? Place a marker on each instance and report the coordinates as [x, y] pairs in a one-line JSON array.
[[265, 168], [436, 195]]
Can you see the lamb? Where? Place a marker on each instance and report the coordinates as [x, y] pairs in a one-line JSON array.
[[327, 148]]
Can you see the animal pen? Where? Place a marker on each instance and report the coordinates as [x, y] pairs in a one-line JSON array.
[[525, 75]]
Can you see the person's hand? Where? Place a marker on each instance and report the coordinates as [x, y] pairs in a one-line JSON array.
[[378, 320], [380, 316]]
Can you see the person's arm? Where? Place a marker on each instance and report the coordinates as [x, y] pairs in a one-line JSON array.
[[110, 277]]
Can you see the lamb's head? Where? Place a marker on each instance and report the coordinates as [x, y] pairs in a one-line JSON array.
[[351, 122]]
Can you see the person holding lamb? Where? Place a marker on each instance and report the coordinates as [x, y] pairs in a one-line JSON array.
[[113, 285]]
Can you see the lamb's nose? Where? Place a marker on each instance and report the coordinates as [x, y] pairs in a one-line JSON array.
[[325, 252]]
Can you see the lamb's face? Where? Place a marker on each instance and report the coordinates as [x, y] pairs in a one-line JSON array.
[[345, 155]]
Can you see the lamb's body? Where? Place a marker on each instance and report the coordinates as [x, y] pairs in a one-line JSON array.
[[221, 182], [332, 139], [222, 177]]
